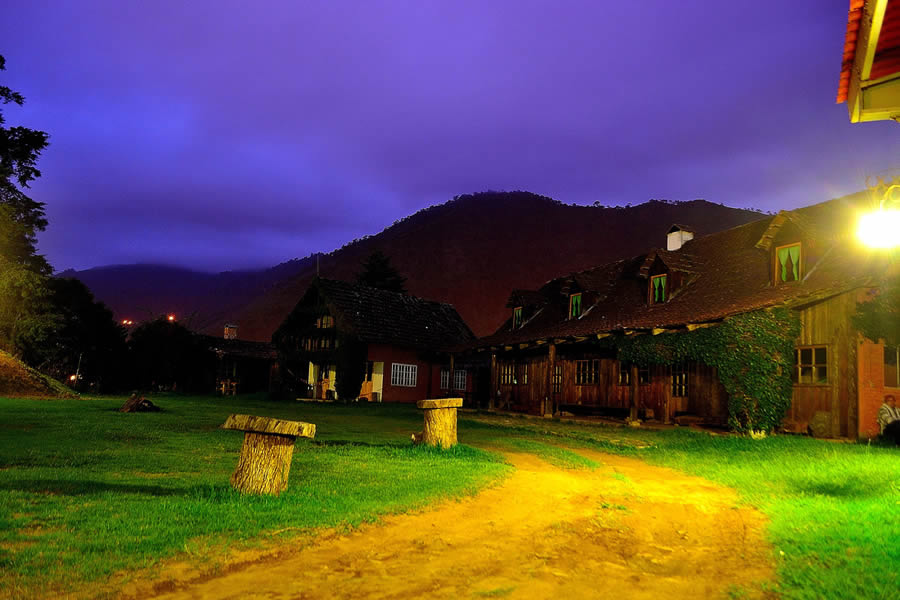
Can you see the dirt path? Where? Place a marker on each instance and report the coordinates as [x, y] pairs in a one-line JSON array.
[[626, 530]]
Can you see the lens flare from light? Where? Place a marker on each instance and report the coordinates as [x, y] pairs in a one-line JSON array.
[[880, 229]]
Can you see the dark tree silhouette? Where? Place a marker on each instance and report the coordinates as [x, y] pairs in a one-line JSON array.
[[86, 340], [25, 317], [378, 272], [168, 355], [879, 318]]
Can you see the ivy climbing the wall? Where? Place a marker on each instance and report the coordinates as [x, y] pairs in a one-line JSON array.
[[752, 353]]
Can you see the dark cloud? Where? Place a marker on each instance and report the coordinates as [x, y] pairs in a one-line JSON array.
[[233, 134]]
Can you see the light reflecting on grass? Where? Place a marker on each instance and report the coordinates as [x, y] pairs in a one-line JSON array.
[[834, 507]]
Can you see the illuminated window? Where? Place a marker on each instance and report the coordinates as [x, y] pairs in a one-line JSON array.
[[810, 365], [521, 374], [587, 372], [625, 374], [788, 263], [445, 379], [324, 322], [557, 378], [517, 317], [658, 289], [508, 374], [459, 379], [574, 306], [404, 375], [679, 381], [325, 343], [892, 366]]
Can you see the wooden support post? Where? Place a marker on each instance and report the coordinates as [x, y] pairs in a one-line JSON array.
[[265, 461], [669, 407], [635, 388], [551, 369], [495, 381], [440, 422], [452, 374]]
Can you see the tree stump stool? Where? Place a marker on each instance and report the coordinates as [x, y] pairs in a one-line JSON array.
[[265, 462], [440, 422]]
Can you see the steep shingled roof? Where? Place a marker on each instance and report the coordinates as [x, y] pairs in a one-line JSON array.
[[381, 317], [724, 274]]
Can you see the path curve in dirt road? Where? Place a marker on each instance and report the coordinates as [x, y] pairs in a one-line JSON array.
[[627, 530]]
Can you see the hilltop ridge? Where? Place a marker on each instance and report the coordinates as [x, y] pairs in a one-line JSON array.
[[470, 251]]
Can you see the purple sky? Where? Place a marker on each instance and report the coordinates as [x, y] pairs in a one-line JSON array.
[[223, 135]]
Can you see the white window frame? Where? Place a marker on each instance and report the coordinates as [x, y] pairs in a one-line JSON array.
[[445, 379], [459, 379], [404, 375]]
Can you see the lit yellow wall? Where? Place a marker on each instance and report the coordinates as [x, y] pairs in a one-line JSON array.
[[378, 377]]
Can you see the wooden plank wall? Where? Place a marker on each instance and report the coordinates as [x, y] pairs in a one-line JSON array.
[[706, 395], [828, 324]]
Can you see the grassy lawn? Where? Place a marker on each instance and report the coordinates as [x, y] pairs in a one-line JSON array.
[[86, 491], [834, 507]]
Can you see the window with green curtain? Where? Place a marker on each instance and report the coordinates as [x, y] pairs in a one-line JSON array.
[[658, 289], [574, 306], [789, 262], [517, 317]]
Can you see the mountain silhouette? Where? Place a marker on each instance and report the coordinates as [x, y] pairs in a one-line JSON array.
[[471, 252]]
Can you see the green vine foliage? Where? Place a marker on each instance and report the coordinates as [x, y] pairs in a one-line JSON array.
[[752, 353], [879, 317]]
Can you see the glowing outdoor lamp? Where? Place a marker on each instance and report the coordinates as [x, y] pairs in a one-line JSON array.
[[171, 318], [881, 228]]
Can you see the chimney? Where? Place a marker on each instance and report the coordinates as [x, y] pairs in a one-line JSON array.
[[230, 331], [678, 236]]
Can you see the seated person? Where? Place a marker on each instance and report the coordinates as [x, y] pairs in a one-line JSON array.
[[889, 419]]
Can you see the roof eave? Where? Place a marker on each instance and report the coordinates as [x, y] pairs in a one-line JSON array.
[[867, 99]]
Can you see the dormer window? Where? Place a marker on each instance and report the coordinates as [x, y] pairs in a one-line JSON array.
[[658, 289], [788, 263], [574, 306], [517, 317], [324, 322]]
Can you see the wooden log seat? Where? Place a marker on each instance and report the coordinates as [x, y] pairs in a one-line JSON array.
[[440, 422], [265, 461]]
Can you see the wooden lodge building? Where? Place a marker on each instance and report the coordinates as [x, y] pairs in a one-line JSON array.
[[242, 366], [557, 352], [410, 342]]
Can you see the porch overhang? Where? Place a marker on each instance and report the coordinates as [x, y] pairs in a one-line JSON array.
[[870, 74]]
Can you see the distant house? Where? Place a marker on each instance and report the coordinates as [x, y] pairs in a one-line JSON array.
[[559, 349], [241, 366], [870, 71], [408, 343]]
